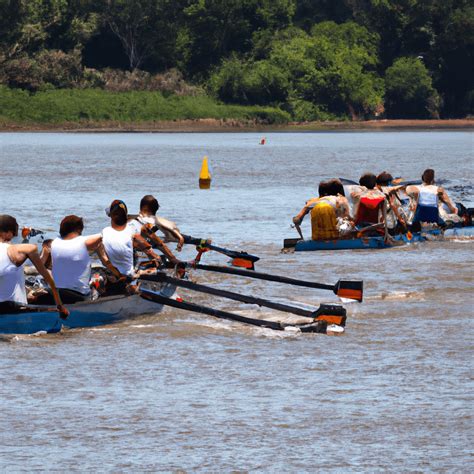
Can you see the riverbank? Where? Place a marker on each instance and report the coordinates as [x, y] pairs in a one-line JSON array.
[[96, 110], [231, 125]]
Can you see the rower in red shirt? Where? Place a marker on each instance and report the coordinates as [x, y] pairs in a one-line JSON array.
[[370, 203]]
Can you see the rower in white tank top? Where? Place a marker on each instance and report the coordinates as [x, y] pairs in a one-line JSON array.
[[12, 278], [71, 264], [118, 246]]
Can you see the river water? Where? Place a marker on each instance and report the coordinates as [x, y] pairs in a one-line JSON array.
[[186, 392]]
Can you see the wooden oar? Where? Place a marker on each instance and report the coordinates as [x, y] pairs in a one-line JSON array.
[[316, 326], [333, 314], [343, 288], [239, 259]]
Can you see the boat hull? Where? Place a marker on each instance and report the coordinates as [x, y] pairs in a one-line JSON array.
[[363, 243], [108, 310]]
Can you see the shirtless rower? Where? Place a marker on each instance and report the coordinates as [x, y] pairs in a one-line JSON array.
[[12, 278], [147, 223], [119, 240], [369, 202], [325, 211], [71, 262], [426, 199], [396, 217]]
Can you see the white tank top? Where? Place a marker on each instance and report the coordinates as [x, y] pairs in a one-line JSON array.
[[428, 195], [118, 245], [12, 278], [71, 264]]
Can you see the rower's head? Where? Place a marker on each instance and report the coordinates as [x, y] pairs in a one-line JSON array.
[[335, 187], [118, 212], [428, 176], [384, 179], [369, 180], [324, 188], [71, 224], [149, 205], [8, 227]]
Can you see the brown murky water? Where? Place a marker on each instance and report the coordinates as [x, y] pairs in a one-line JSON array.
[[182, 391]]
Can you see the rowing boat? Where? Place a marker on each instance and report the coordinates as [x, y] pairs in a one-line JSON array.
[[377, 242], [30, 319]]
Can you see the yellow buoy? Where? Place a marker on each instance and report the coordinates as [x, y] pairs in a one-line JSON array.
[[205, 175]]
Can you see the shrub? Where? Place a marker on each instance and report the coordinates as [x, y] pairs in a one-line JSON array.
[[409, 90]]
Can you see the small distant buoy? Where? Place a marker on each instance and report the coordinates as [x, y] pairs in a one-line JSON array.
[[205, 175], [263, 141]]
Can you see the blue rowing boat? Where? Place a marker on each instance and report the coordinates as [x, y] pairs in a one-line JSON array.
[[378, 242], [30, 319]]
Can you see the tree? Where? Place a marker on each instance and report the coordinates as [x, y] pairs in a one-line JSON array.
[[139, 26], [214, 29], [249, 82], [334, 67], [409, 90]]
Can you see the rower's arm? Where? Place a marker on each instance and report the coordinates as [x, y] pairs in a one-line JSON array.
[[140, 243], [105, 260], [45, 253], [393, 206], [413, 192], [443, 196], [22, 252], [147, 233], [298, 219], [177, 235]]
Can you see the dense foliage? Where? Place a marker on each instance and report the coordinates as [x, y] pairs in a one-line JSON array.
[[313, 59]]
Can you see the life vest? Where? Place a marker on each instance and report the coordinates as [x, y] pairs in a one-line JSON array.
[[323, 219], [427, 206], [368, 210], [12, 278]]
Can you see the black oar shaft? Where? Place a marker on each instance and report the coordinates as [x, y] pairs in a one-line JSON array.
[[229, 294], [210, 311], [264, 276], [314, 327], [230, 253]]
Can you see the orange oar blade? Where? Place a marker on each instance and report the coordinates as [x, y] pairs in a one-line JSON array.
[[242, 263], [331, 313], [352, 290]]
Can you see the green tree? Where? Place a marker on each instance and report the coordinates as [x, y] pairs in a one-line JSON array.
[[213, 29], [249, 82], [334, 68], [409, 90]]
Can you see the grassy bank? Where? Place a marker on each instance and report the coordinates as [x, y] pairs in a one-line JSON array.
[[83, 106]]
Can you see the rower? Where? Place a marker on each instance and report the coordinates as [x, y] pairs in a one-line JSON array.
[[369, 202], [119, 240], [325, 211], [426, 199], [395, 214], [71, 262], [12, 278], [147, 223]]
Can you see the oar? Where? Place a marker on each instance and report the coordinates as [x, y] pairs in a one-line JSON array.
[[239, 259], [319, 326], [343, 288], [333, 314]]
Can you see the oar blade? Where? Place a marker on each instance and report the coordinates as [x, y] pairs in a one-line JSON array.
[[331, 313], [290, 243], [243, 262], [353, 290]]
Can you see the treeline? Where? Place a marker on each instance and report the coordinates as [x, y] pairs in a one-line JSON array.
[[312, 59]]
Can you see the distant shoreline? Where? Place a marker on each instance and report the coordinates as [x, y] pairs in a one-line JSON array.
[[231, 125]]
